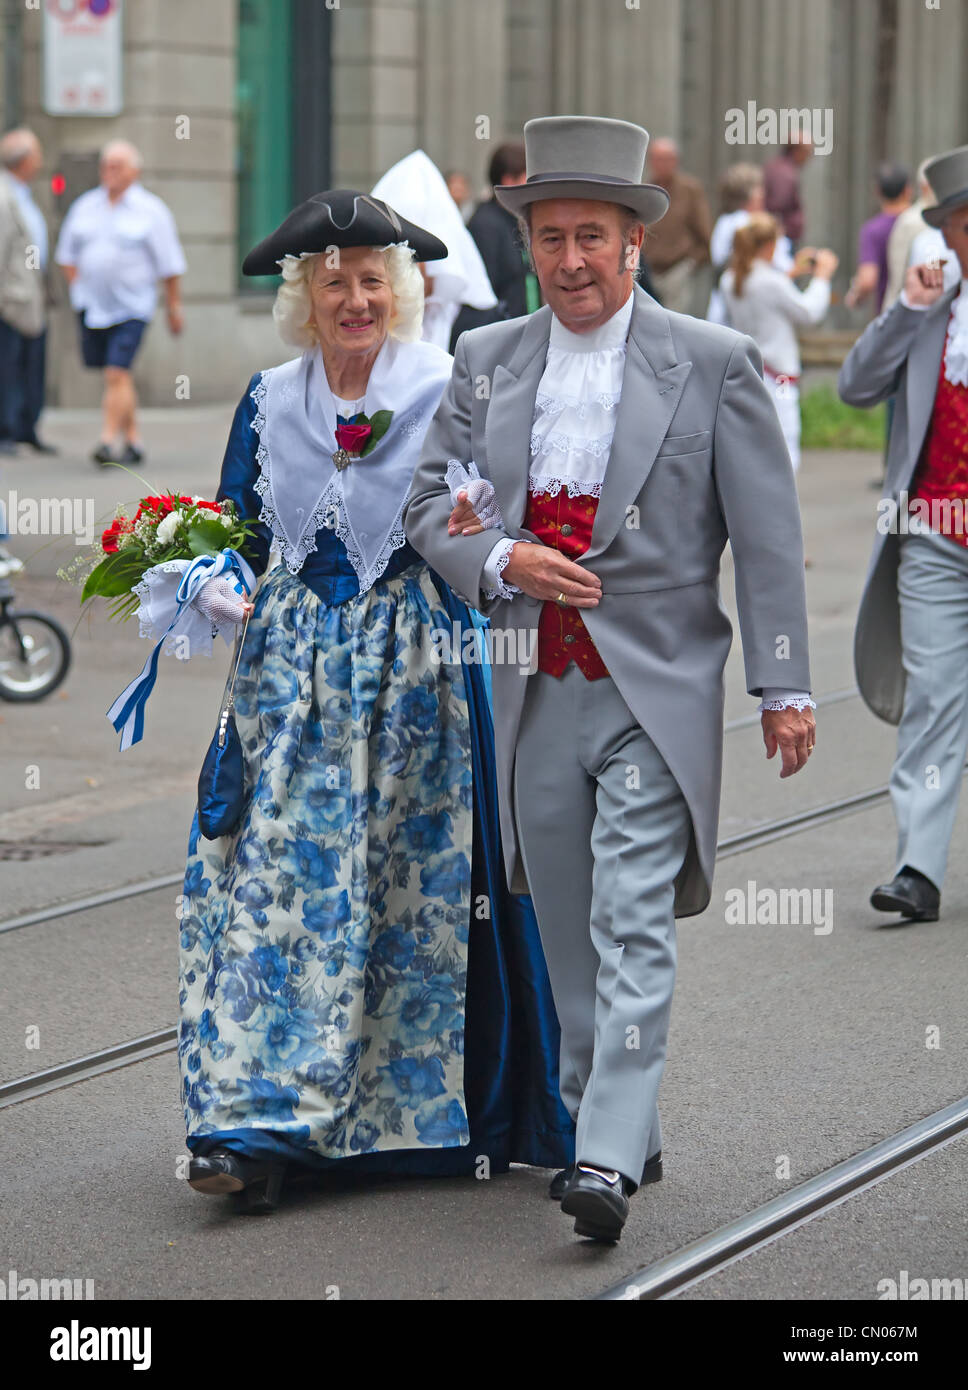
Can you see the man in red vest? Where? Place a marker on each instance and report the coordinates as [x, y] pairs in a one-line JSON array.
[[621, 445], [911, 645]]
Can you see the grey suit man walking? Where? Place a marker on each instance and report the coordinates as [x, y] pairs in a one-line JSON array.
[[609, 449], [911, 643]]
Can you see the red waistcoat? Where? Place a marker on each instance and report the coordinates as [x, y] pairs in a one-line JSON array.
[[566, 524], [942, 472]]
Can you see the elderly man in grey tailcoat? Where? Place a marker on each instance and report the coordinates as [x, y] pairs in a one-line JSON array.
[[602, 452], [911, 643]]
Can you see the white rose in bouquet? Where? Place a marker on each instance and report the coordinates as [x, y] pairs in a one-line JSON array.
[[167, 528]]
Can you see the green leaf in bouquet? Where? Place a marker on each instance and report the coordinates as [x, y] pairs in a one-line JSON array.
[[114, 576], [207, 537], [379, 424], [125, 607]]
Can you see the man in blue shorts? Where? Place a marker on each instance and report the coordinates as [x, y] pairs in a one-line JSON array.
[[117, 242]]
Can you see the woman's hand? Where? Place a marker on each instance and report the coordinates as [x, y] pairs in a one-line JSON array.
[[463, 518], [218, 601], [826, 263], [476, 509]]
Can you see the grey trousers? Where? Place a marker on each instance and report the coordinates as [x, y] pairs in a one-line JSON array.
[[603, 830], [932, 739]]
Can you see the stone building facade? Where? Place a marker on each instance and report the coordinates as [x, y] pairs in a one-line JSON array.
[[286, 96]]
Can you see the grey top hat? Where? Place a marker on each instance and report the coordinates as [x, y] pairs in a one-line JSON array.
[[586, 157], [948, 176]]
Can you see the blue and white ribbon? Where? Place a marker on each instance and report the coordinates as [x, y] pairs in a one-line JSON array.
[[127, 714]]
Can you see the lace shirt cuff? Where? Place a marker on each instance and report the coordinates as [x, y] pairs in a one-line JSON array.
[[775, 697], [492, 584]]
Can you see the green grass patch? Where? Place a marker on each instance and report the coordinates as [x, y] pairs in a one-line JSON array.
[[830, 424]]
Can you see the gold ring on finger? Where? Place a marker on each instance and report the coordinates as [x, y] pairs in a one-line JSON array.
[[561, 599]]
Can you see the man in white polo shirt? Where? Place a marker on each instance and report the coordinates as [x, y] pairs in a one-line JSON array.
[[117, 242]]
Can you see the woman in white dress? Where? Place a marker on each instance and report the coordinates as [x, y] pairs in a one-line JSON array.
[[741, 195], [764, 303]]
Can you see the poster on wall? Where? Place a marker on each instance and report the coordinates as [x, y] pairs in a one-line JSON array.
[[82, 57]]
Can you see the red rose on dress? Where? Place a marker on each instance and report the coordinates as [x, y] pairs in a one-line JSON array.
[[352, 437]]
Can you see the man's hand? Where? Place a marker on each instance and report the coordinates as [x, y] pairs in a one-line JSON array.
[[545, 573], [793, 731], [924, 284], [176, 320]]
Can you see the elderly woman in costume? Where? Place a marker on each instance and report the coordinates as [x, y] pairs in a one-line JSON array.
[[358, 988]]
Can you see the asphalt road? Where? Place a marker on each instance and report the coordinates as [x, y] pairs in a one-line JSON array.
[[792, 1046]]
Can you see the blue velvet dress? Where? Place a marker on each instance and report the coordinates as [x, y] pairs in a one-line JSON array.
[[244, 994]]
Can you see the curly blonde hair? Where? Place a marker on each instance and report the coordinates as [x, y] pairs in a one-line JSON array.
[[293, 307]]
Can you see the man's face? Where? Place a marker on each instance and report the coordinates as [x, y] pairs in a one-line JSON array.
[[459, 188], [955, 231], [663, 161], [117, 173], [29, 166], [580, 257]]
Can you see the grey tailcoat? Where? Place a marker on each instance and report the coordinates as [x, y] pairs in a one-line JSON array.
[[697, 458], [898, 353]]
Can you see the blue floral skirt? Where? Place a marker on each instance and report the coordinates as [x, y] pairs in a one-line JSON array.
[[325, 945]]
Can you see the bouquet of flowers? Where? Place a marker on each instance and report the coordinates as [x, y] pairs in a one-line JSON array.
[[165, 527]]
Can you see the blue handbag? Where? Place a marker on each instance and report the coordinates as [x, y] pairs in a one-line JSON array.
[[221, 782]]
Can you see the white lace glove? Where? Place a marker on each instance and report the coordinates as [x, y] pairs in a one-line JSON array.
[[219, 601], [480, 493]]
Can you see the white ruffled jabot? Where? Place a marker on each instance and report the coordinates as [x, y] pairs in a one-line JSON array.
[[956, 347], [574, 417]]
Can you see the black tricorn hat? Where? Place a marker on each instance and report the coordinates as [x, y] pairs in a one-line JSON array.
[[339, 217]]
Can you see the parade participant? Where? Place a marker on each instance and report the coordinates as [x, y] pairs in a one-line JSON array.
[[912, 628], [624, 445], [764, 303], [353, 970], [417, 188]]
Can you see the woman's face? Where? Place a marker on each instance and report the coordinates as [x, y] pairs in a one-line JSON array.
[[352, 301]]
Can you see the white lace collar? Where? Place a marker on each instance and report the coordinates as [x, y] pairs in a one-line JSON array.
[[300, 486], [956, 347], [574, 417]]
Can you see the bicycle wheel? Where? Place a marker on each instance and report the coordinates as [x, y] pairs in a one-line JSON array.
[[35, 655]]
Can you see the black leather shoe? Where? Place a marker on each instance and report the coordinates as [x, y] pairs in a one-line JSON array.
[[256, 1183], [598, 1202], [103, 454], [132, 454], [909, 893], [652, 1172]]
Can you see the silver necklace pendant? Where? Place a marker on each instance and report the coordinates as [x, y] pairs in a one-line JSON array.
[[342, 459]]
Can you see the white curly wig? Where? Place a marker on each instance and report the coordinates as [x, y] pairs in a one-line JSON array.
[[293, 307]]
